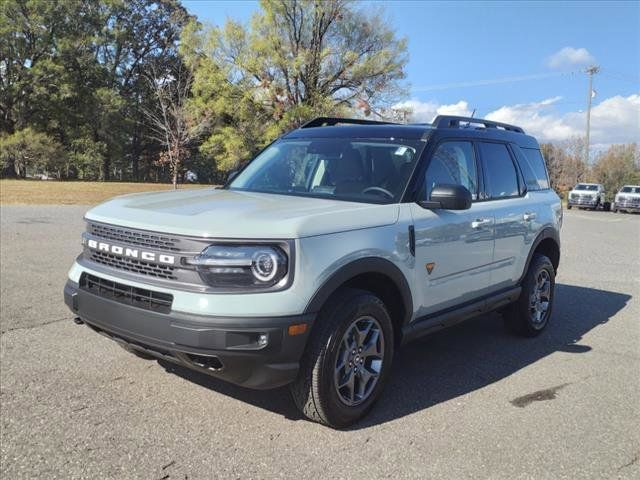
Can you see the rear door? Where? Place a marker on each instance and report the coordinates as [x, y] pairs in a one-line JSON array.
[[453, 248], [505, 193]]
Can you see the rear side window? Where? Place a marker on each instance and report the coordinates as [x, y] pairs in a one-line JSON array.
[[499, 171], [533, 168]]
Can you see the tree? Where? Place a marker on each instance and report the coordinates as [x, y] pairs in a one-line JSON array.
[[170, 122], [297, 59], [565, 163], [618, 166], [76, 71], [30, 150]]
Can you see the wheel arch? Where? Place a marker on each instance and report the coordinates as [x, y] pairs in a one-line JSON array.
[[548, 243], [377, 275]]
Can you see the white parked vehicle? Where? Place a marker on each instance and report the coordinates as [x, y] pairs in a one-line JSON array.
[[588, 195], [627, 199]]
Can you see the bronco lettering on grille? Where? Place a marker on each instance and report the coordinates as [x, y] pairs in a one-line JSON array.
[[131, 252]]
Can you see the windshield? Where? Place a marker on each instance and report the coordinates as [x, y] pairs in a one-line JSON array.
[[630, 190], [372, 171], [582, 186]]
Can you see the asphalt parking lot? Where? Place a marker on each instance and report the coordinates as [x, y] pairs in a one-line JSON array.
[[471, 401]]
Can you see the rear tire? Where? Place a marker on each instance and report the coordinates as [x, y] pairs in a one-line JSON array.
[[347, 361], [568, 207], [529, 315]]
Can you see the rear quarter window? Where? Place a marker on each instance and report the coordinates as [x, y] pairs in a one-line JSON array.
[[533, 168]]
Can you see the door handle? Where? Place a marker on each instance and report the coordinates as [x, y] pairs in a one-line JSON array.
[[481, 222], [528, 216]]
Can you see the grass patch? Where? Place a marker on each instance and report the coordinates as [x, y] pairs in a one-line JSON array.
[[48, 192]]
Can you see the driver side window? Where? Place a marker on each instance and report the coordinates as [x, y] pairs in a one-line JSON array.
[[452, 163]]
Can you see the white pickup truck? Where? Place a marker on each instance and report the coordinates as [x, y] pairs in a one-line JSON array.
[[627, 199], [588, 195]]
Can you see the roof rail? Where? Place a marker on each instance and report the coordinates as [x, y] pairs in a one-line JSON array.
[[330, 121], [450, 121]]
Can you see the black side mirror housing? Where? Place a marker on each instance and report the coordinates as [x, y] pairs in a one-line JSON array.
[[448, 197]]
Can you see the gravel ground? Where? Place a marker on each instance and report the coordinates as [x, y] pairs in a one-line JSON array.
[[467, 402]]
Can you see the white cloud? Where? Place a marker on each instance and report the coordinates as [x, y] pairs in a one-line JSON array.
[[569, 57], [537, 118], [616, 120], [425, 112], [613, 120]]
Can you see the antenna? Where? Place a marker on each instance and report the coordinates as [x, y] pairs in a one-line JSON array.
[[472, 114]]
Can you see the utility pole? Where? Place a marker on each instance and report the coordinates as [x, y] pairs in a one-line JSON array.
[[593, 69]]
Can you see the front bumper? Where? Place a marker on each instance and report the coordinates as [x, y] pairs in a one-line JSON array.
[[224, 347], [630, 206], [581, 202]]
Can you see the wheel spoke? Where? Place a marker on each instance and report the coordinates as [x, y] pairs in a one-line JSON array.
[[545, 291], [363, 334], [363, 379], [366, 375], [347, 386], [342, 362], [372, 346]]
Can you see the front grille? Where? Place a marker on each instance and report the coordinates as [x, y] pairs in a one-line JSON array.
[[629, 202], [578, 198], [135, 237], [132, 265], [137, 297]]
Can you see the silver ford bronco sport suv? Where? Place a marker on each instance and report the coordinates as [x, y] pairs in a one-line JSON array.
[[340, 242]]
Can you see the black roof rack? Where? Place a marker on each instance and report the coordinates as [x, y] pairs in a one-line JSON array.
[[450, 121], [330, 121]]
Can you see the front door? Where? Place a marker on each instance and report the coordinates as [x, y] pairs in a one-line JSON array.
[[454, 248]]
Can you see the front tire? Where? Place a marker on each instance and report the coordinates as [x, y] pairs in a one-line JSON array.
[[347, 361], [530, 314], [568, 207]]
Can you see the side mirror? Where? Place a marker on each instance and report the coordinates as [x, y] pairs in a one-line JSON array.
[[448, 197]]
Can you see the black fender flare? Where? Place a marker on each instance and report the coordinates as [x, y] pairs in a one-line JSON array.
[[358, 267], [547, 232]]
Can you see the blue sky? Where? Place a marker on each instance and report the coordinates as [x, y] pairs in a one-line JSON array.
[[455, 47]]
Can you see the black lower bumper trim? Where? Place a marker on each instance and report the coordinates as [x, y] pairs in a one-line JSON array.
[[235, 343]]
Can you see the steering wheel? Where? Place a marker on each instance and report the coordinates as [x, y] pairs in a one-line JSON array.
[[379, 190]]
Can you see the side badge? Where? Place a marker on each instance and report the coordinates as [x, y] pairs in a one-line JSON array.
[[430, 267]]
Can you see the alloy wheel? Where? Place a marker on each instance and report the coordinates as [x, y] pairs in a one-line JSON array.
[[540, 299], [359, 361]]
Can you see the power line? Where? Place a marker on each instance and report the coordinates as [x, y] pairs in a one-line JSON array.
[[621, 76], [494, 81]]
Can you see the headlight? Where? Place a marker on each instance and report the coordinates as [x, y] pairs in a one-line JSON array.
[[231, 266]]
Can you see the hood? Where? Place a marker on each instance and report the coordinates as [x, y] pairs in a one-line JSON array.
[[236, 214]]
